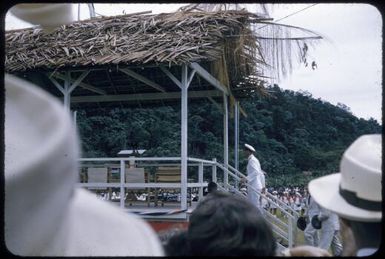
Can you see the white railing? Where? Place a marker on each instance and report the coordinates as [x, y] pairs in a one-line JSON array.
[[284, 229], [144, 162]]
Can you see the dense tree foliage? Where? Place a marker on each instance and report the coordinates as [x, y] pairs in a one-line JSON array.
[[293, 133]]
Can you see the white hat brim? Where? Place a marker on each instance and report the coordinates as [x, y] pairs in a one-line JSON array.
[[106, 230], [49, 217], [325, 191], [249, 147]]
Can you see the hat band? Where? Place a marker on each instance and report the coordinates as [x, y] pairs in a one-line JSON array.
[[352, 199]]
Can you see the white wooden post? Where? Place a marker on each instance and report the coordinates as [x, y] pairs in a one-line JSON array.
[[225, 141], [214, 171], [236, 137], [200, 180], [184, 122], [122, 182]]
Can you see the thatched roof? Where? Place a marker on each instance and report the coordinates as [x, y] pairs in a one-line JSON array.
[[172, 38], [225, 42]]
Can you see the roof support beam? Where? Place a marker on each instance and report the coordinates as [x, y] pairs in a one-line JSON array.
[[69, 85], [56, 83], [146, 97], [174, 79], [83, 85], [215, 103], [208, 77], [78, 81], [171, 76], [190, 78], [142, 79]]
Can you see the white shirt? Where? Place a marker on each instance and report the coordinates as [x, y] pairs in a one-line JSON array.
[[331, 220], [255, 176], [312, 207]]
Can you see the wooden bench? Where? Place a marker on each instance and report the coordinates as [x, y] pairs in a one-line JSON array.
[[168, 175], [132, 175], [98, 175], [135, 175]]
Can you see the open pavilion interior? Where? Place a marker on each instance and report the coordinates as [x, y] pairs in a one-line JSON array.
[[150, 58]]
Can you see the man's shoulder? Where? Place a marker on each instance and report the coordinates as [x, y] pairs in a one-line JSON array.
[[253, 158]]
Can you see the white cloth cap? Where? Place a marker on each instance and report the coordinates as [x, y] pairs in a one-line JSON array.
[[44, 214], [355, 192], [249, 147]]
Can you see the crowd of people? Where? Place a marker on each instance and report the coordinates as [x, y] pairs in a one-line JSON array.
[[41, 157], [293, 197], [342, 219]]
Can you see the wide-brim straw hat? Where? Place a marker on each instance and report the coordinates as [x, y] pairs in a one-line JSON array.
[[355, 192], [44, 214]]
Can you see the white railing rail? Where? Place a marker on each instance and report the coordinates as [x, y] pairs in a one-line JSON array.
[[284, 230], [288, 230], [145, 162], [269, 195]]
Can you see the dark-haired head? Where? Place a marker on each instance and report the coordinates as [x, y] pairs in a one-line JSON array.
[[211, 187], [177, 245], [225, 224]]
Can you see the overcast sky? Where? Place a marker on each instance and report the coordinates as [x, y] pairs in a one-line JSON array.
[[349, 68], [349, 64]]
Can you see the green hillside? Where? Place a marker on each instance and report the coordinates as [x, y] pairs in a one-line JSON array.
[[292, 132]]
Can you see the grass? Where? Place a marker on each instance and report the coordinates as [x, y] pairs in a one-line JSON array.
[[300, 238]]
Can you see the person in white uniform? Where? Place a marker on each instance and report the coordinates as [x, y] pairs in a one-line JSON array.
[[355, 195], [310, 233], [255, 177], [329, 233]]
